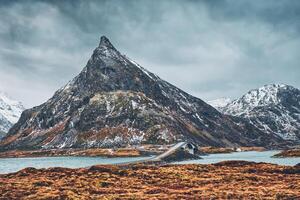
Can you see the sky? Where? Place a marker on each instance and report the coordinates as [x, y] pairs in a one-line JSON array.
[[210, 49]]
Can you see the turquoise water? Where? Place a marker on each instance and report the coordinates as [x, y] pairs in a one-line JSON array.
[[8, 165], [264, 156]]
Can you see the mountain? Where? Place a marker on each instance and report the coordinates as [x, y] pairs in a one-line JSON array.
[[2, 134], [274, 109], [116, 102], [10, 112], [219, 103]]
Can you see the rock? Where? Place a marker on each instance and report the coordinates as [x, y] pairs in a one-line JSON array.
[[114, 102], [10, 111], [274, 109], [288, 153], [234, 163]]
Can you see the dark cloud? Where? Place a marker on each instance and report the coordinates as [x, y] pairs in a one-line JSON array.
[[210, 48]]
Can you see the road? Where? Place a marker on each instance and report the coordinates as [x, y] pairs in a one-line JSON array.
[[169, 151]]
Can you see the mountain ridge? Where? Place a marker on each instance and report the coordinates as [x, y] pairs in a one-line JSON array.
[[116, 102], [10, 111], [219, 103], [273, 108]]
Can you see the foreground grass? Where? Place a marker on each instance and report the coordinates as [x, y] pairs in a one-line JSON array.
[[226, 180]]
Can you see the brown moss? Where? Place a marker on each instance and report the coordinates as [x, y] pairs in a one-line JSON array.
[[94, 152], [253, 148], [54, 131], [107, 132], [213, 150], [227, 180], [289, 153]]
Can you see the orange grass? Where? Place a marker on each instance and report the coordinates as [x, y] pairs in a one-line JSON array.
[[226, 180]]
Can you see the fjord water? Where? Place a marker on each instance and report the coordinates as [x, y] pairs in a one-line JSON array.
[[8, 165], [254, 156]]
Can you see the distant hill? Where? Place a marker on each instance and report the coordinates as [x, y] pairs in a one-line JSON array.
[[274, 109], [10, 112]]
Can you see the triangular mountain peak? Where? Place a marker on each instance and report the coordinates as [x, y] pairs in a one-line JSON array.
[[115, 102], [105, 51], [104, 42]]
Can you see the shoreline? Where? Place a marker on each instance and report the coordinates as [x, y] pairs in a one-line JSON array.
[[290, 153], [96, 152], [74, 162], [144, 150]]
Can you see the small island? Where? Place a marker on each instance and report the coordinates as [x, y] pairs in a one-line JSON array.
[[288, 153]]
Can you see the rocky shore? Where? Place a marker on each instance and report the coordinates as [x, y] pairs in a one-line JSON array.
[[123, 152], [288, 153], [215, 150], [143, 150], [225, 180]]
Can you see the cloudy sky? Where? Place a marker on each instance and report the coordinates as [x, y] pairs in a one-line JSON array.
[[210, 48]]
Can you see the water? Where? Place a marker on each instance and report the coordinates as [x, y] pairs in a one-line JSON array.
[[8, 165], [264, 156]]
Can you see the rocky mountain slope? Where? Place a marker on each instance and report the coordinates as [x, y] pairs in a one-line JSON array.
[[10, 112], [274, 109], [115, 102]]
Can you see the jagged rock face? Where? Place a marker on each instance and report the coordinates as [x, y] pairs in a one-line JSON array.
[[116, 102], [274, 109], [10, 111]]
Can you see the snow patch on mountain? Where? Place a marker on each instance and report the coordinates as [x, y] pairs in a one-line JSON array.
[[263, 96], [273, 108], [10, 111], [219, 103]]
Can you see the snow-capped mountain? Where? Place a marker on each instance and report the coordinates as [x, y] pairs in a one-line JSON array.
[[219, 103], [274, 109], [116, 102], [10, 112]]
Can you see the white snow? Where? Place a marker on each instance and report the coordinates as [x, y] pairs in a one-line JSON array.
[[200, 119], [253, 105], [219, 103], [149, 74], [166, 135], [10, 111], [134, 104], [262, 96]]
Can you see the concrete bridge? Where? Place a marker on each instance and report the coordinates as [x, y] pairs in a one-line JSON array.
[[160, 157], [169, 152]]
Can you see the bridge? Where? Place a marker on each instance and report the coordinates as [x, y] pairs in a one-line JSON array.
[[169, 152], [159, 157]]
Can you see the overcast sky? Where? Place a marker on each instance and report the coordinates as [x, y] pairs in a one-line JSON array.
[[210, 48]]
